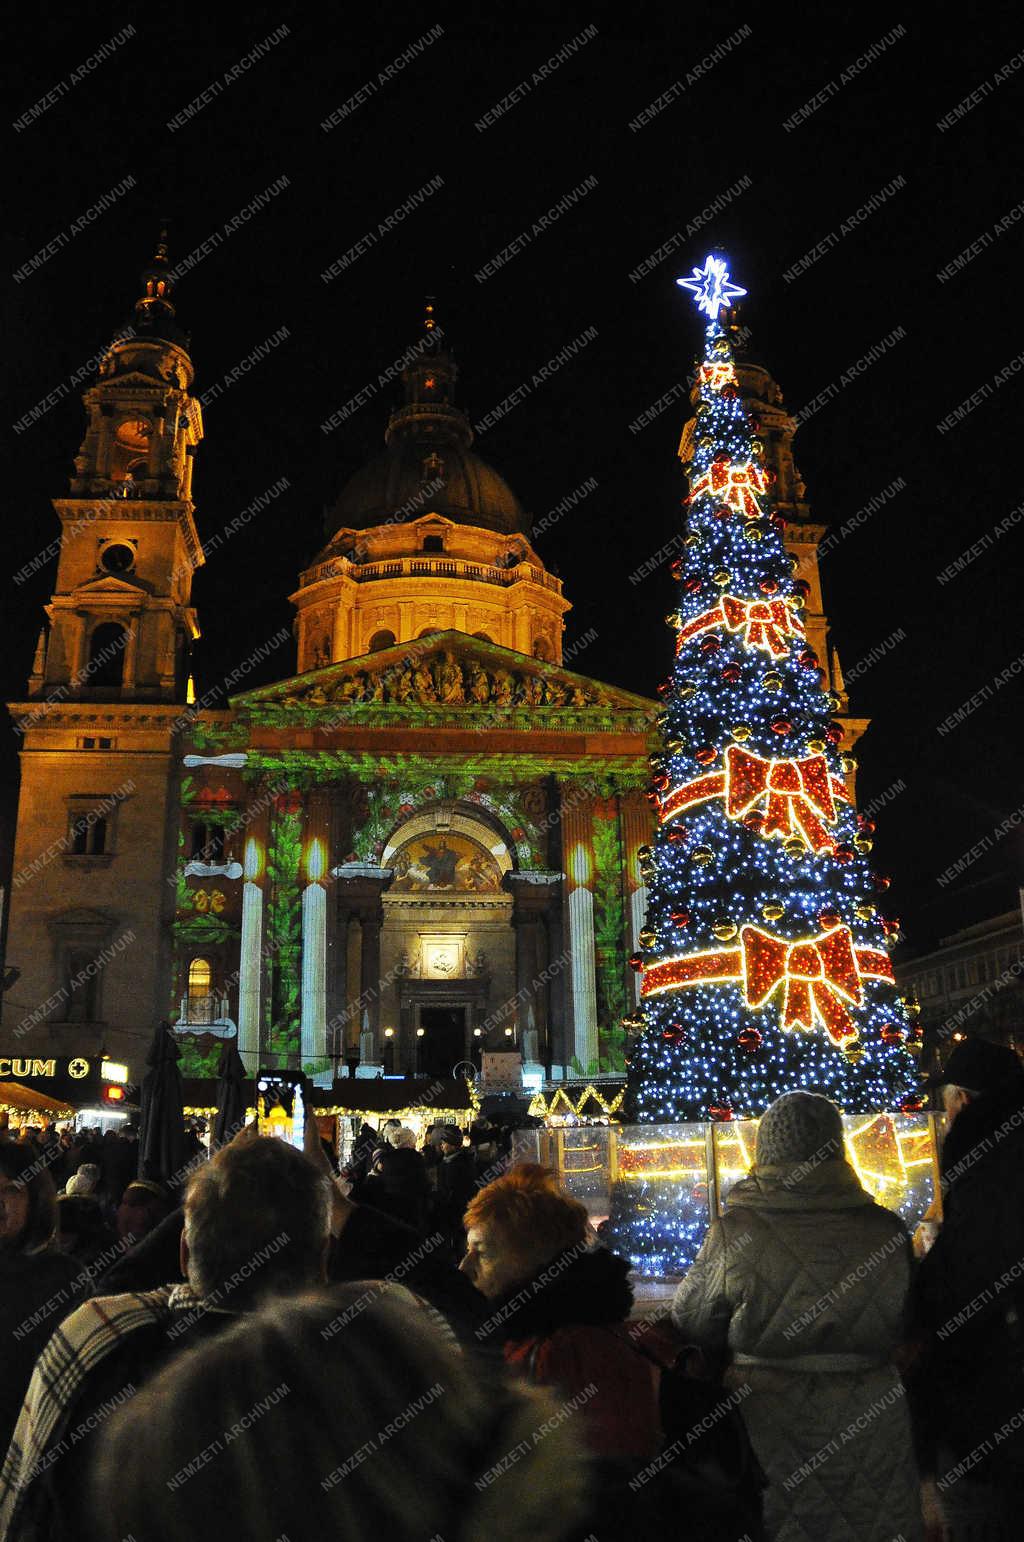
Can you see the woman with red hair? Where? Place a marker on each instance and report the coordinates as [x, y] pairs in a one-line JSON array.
[[559, 1306]]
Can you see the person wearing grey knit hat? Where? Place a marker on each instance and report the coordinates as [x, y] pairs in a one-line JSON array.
[[799, 1127], [800, 1289]]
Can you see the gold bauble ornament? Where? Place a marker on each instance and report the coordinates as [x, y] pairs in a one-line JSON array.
[[773, 911], [794, 848], [853, 1053], [721, 577], [740, 731], [816, 746], [862, 843], [725, 930], [702, 855], [864, 912], [847, 763], [752, 531], [772, 681]]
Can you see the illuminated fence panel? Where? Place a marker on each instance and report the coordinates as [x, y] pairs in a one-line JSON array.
[[670, 1176]]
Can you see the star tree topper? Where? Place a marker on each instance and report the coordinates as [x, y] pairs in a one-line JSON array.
[[710, 286]]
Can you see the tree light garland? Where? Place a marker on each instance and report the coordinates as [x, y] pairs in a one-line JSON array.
[[757, 837]]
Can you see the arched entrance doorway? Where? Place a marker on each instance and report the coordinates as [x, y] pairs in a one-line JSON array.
[[448, 948]]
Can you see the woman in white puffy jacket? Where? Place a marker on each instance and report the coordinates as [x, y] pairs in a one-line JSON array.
[[800, 1291]]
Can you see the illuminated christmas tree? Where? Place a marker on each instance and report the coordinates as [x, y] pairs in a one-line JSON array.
[[764, 958]]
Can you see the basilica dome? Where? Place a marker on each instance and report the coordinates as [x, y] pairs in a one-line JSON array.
[[428, 464]]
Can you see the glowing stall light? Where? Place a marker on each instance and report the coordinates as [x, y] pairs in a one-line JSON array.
[[249, 967], [314, 955], [710, 286]]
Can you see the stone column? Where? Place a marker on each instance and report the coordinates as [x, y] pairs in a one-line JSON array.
[[249, 974], [532, 895], [129, 671], [339, 640], [251, 961], [313, 1001], [362, 886], [578, 847], [558, 985]]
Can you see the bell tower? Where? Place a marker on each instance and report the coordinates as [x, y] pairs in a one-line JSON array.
[[121, 621], [97, 830]]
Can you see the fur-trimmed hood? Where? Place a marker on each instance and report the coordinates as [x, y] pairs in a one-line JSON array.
[[575, 1288]]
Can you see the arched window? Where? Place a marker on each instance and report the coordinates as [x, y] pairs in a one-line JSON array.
[[380, 640], [483, 636], [106, 655], [542, 649], [199, 1007], [200, 977], [430, 631]]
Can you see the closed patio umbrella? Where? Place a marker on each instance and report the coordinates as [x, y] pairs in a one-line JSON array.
[[162, 1149], [230, 1095]]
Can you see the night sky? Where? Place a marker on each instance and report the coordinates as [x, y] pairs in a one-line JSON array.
[[729, 80]]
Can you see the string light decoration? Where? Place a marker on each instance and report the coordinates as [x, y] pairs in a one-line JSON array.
[[763, 960]]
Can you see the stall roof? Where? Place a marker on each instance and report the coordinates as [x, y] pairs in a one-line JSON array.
[[356, 1095], [26, 1099]]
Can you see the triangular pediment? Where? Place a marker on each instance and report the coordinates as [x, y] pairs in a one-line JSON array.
[[448, 671], [118, 588], [137, 379]]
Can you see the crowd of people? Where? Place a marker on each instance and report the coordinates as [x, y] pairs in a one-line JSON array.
[[434, 1342]]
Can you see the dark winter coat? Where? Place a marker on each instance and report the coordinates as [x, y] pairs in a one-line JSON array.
[[375, 1246], [456, 1185], [398, 1185], [565, 1329], [37, 1290], [802, 1286], [969, 1295]]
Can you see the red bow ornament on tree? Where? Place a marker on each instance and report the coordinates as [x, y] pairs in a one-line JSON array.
[[799, 795], [765, 624], [818, 978], [716, 375], [736, 486]]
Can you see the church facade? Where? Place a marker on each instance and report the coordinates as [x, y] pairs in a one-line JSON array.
[[424, 847]]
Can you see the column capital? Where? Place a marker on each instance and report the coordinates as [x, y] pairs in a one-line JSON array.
[[532, 893], [361, 886]]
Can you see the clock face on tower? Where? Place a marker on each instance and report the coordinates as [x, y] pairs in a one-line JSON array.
[[117, 558]]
